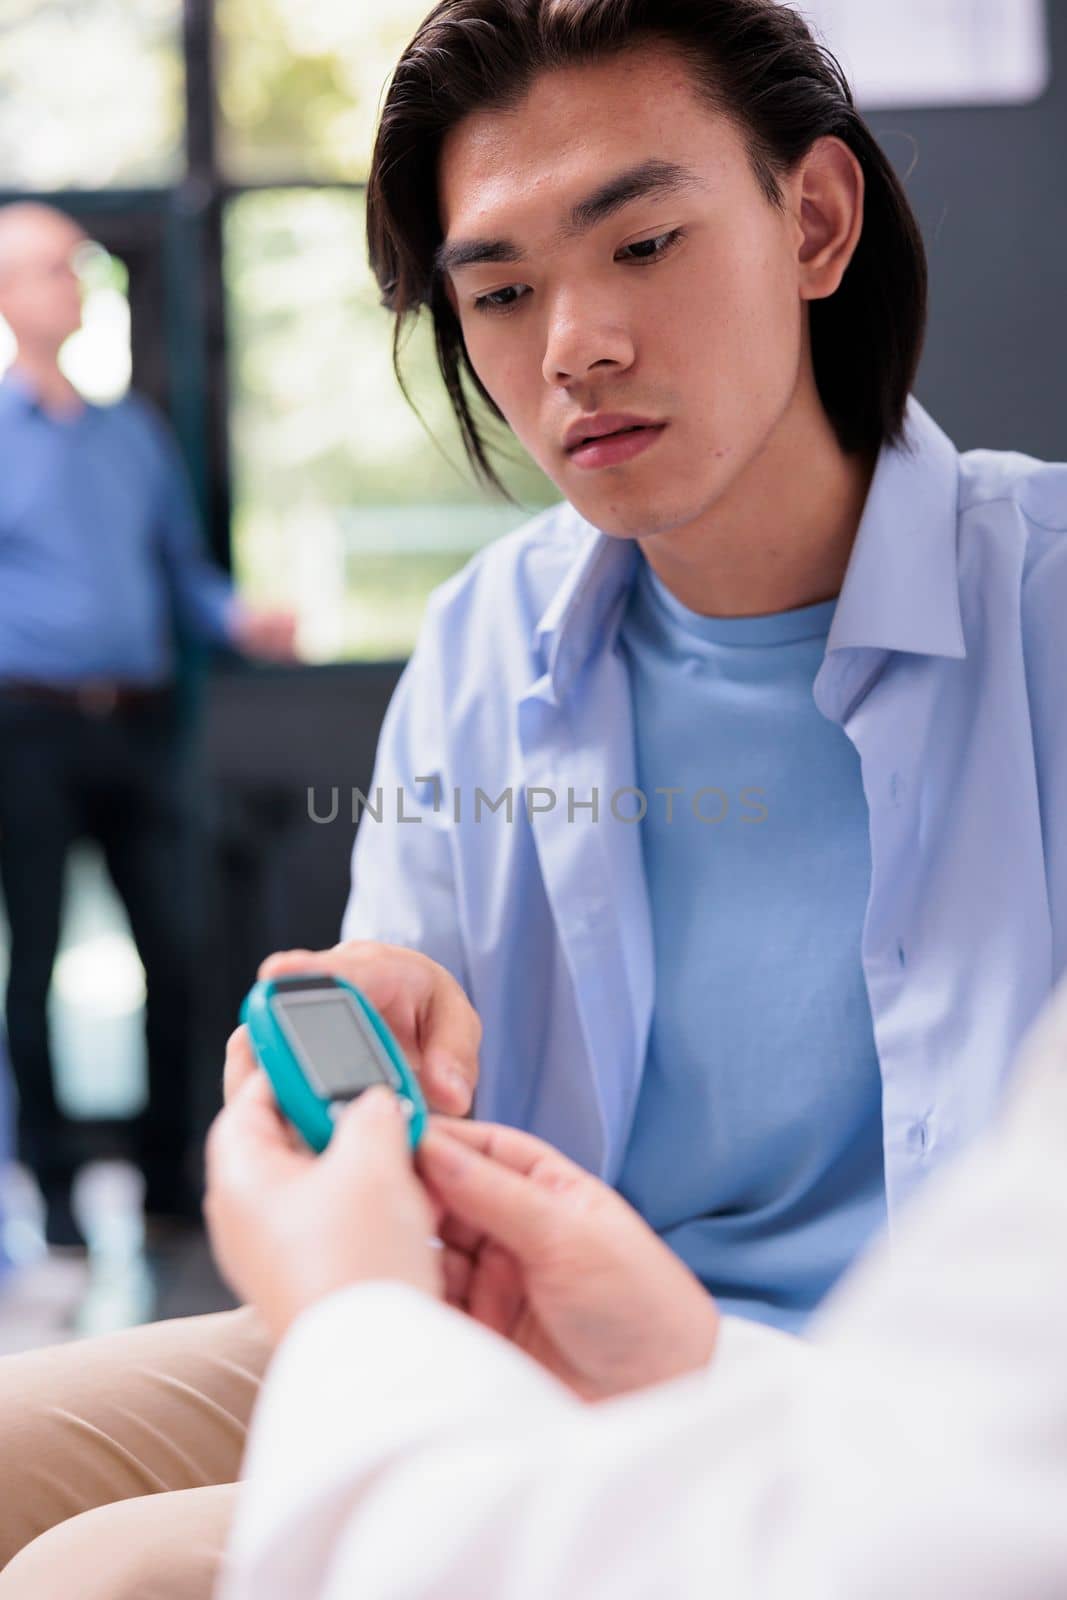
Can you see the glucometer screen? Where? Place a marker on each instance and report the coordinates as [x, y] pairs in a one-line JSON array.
[[336, 1051]]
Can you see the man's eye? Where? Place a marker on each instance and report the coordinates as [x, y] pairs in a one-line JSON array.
[[497, 301], [652, 249], [646, 251]]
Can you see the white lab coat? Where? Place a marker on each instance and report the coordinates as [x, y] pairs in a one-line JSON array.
[[915, 1447]]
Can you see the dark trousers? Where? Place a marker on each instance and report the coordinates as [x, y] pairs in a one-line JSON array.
[[66, 773]]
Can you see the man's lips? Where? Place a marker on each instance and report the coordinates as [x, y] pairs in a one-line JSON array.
[[614, 449], [603, 424]]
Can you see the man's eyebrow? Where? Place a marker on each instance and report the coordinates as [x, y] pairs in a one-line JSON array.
[[650, 180]]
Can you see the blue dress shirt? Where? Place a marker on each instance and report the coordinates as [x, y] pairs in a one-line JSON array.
[[100, 548], [945, 668]]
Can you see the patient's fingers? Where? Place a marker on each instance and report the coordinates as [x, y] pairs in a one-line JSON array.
[[425, 1007]]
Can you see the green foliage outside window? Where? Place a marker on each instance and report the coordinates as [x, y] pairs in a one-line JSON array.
[[300, 82], [90, 93]]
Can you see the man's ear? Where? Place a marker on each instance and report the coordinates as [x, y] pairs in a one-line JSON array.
[[826, 196]]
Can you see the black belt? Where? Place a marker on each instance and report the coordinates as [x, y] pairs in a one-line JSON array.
[[93, 698]]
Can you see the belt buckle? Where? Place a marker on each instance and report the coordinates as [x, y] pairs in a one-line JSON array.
[[97, 699]]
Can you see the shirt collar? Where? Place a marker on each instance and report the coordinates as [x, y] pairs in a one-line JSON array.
[[901, 585], [18, 392], [585, 610], [901, 588]]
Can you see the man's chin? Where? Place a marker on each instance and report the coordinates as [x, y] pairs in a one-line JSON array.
[[634, 516]]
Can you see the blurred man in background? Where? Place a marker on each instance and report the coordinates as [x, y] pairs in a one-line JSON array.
[[101, 559]]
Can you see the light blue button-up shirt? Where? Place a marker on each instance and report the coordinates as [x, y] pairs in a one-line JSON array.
[[946, 666]]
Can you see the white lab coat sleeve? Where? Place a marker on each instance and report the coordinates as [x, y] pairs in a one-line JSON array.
[[917, 1447], [375, 1389], [399, 1450], [932, 1437], [403, 888]]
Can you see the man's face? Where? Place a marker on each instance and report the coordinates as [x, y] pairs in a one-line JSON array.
[[40, 295], [680, 307]]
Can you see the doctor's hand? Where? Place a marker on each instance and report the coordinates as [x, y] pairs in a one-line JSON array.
[[434, 1023], [288, 1227], [542, 1252]]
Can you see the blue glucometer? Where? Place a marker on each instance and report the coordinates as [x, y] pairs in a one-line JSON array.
[[322, 1043]]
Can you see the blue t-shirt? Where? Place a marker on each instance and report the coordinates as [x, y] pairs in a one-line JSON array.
[[756, 1149]]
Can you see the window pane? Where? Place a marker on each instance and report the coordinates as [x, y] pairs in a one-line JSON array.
[[342, 504], [300, 81], [90, 94]]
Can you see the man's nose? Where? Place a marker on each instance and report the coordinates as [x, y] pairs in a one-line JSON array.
[[583, 334]]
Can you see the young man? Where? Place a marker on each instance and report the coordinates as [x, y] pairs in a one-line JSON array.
[[760, 1033], [827, 651]]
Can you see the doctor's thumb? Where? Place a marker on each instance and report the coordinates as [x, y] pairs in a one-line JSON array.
[[373, 1127], [504, 1205]]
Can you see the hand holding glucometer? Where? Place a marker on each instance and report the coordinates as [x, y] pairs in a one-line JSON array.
[[322, 1043]]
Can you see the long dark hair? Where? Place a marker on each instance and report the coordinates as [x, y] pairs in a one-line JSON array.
[[757, 63]]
